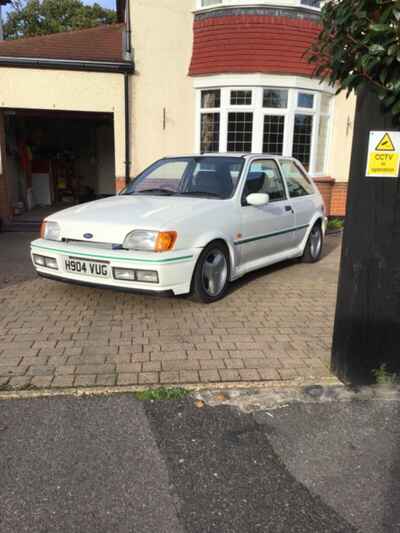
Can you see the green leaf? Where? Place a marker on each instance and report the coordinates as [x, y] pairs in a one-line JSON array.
[[380, 27], [376, 49]]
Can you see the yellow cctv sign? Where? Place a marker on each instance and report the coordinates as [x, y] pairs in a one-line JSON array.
[[383, 154]]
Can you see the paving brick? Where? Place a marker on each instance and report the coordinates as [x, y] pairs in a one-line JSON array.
[[247, 374], [181, 365], [288, 373], [168, 356], [40, 371], [63, 381], [199, 354], [20, 382], [234, 363], [169, 377], [65, 370], [268, 374], [148, 378], [229, 375], [127, 379], [87, 380], [210, 364], [42, 382], [12, 370], [95, 369], [154, 366], [189, 376], [129, 368], [106, 380], [209, 376]]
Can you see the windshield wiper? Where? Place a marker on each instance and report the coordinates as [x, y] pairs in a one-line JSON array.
[[201, 193], [166, 192]]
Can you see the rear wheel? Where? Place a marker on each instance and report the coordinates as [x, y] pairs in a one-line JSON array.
[[313, 249], [211, 275]]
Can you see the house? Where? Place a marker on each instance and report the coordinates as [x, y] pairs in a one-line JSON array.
[[84, 111]]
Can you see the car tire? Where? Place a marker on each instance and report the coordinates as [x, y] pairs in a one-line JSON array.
[[313, 250], [212, 273]]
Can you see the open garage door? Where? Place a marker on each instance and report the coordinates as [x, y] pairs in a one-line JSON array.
[[57, 159]]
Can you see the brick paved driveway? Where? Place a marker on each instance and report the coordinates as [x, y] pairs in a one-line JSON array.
[[274, 324]]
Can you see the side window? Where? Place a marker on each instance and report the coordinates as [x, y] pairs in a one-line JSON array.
[[264, 177], [298, 183]]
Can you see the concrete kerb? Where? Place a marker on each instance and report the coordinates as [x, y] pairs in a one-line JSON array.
[[249, 396]]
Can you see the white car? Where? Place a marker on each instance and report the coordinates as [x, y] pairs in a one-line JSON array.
[[188, 224]]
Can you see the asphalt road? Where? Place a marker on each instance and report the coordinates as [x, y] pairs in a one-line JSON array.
[[114, 464]]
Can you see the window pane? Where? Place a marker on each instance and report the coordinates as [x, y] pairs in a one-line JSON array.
[[240, 132], [302, 134], [210, 98], [241, 97], [311, 3], [322, 144], [274, 126], [264, 177], [276, 98], [205, 3], [297, 182], [305, 100], [325, 103], [209, 132]]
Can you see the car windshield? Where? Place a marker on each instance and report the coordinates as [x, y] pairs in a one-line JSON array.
[[208, 176]]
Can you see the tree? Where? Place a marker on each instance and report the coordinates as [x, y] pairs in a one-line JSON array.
[[359, 46], [359, 50], [42, 17]]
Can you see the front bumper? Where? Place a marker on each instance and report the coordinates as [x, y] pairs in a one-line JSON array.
[[174, 269]]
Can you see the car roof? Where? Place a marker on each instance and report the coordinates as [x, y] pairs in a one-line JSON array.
[[242, 155]]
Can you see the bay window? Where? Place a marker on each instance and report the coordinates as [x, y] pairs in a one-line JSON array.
[[270, 120]]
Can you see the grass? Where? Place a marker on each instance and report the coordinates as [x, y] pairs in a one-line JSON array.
[[383, 377], [162, 393], [335, 224]]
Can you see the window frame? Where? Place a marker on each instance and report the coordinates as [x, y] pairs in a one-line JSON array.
[[259, 112], [230, 3]]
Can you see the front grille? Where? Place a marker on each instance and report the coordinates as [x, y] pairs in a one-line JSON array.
[[94, 244]]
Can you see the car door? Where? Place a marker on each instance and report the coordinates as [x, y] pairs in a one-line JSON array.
[[301, 193], [265, 230]]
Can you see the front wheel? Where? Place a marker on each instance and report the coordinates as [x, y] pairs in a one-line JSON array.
[[211, 275], [313, 249]]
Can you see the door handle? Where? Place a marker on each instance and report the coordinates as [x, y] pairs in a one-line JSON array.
[[289, 208]]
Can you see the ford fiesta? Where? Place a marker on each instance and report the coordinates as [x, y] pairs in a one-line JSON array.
[[187, 225]]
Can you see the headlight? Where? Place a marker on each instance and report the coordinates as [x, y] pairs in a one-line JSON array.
[[50, 231], [151, 241]]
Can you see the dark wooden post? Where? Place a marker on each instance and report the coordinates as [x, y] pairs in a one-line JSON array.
[[367, 323]]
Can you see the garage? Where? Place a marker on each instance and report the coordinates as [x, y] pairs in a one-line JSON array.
[[65, 122], [55, 159]]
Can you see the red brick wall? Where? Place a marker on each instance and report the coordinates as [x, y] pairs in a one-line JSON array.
[[4, 203], [119, 184], [252, 43], [334, 195], [339, 199]]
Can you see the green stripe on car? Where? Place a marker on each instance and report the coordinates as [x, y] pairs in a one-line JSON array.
[[96, 256], [268, 235]]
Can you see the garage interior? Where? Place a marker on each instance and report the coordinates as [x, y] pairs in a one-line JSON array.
[[56, 159]]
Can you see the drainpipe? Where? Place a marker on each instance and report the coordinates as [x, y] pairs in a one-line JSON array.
[[127, 57], [127, 130]]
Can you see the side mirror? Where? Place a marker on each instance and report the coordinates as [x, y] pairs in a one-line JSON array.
[[257, 199]]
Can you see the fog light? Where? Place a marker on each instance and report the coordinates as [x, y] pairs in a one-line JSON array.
[[51, 263], [147, 276], [126, 274], [39, 260]]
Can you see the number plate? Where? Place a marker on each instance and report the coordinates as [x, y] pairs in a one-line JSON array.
[[98, 269]]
